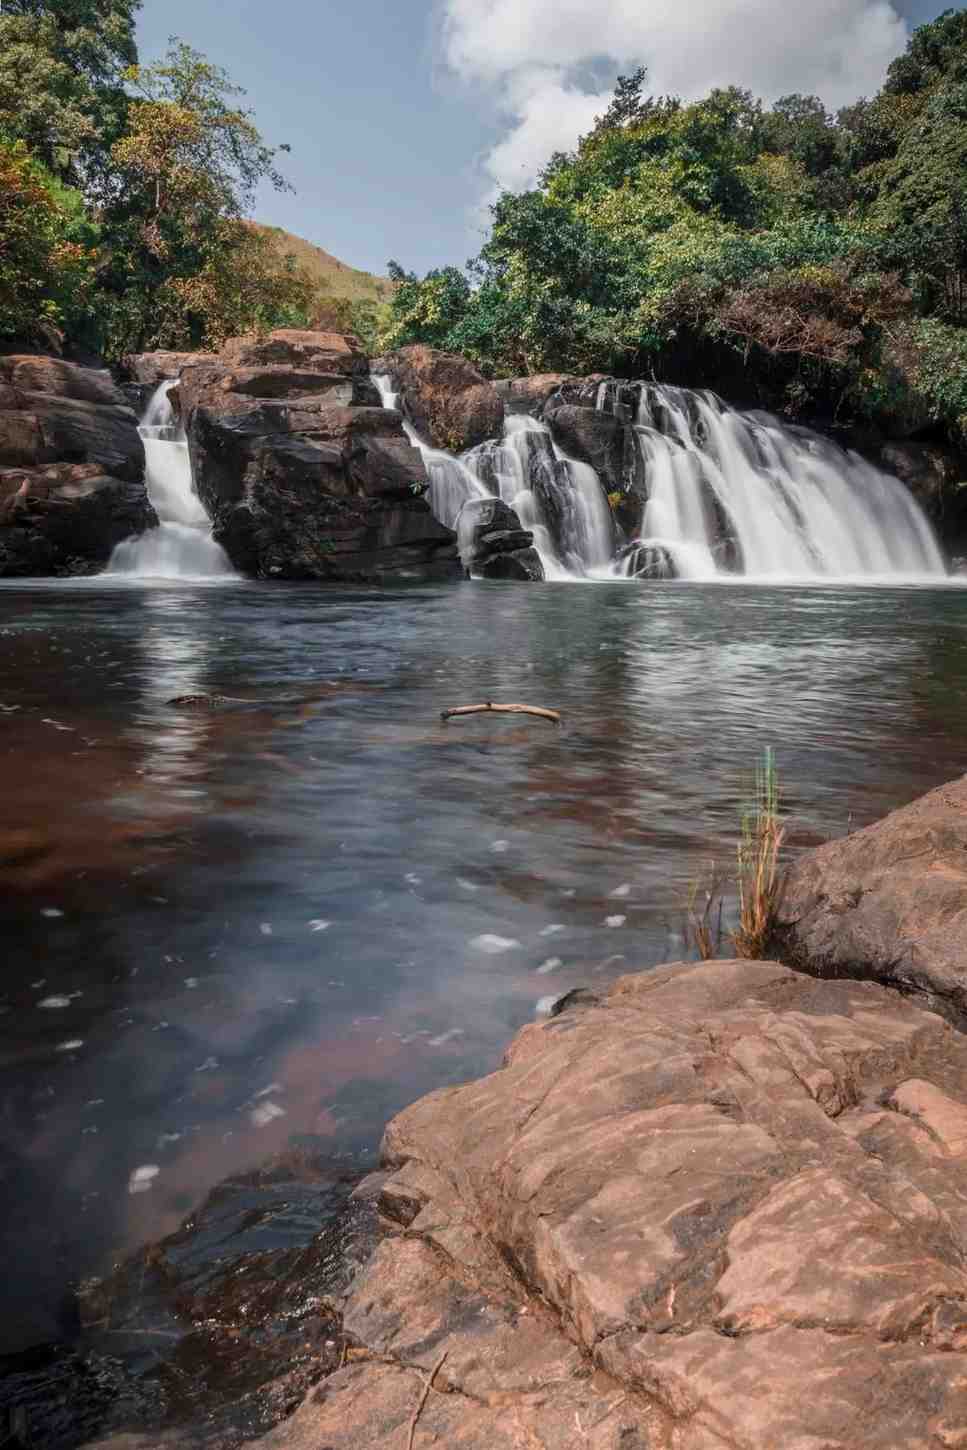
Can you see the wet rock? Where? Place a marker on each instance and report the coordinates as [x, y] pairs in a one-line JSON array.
[[648, 561], [66, 518], [448, 401], [232, 1319], [889, 902], [303, 478], [591, 436], [937, 477], [494, 544]]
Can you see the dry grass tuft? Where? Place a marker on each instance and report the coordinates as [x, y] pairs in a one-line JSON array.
[[703, 914], [759, 877]]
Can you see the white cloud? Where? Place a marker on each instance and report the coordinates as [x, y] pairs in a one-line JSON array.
[[534, 57]]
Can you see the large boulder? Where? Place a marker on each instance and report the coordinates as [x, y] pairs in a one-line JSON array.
[[494, 544], [449, 402], [936, 475], [66, 518], [301, 475], [888, 902], [528, 395], [721, 1207], [583, 432], [71, 467]]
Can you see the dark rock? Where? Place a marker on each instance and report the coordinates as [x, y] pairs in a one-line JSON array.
[[936, 475], [302, 479], [77, 432], [888, 903], [493, 543], [151, 369], [448, 401], [648, 561], [592, 437], [66, 518]]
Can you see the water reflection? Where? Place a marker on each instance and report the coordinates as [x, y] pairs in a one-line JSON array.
[[285, 920]]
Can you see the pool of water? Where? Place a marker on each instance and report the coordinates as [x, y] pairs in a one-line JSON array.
[[227, 931]]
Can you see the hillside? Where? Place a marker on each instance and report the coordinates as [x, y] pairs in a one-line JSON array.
[[336, 278]]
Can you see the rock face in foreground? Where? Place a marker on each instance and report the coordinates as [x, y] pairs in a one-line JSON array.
[[890, 902], [449, 402], [302, 476], [723, 1207], [71, 468]]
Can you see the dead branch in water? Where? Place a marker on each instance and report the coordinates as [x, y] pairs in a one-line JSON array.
[[423, 1398], [491, 709]]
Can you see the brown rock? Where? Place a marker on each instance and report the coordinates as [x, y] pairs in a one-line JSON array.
[[527, 395], [151, 369], [889, 902], [449, 402], [66, 518], [667, 1216], [30, 374], [325, 352], [21, 441]]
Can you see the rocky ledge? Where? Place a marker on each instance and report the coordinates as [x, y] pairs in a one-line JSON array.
[[721, 1207], [304, 475], [71, 468]]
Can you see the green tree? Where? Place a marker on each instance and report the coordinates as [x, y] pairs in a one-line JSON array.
[[61, 79], [46, 260], [182, 268]]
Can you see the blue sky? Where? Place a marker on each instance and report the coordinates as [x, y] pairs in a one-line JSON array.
[[404, 116]]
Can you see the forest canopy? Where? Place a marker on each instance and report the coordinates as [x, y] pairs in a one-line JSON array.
[[814, 261]]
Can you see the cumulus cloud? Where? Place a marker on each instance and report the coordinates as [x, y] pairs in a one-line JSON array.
[[534, 57]]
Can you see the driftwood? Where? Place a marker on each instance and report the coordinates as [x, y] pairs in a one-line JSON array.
[[423, 1399], [491, 709]]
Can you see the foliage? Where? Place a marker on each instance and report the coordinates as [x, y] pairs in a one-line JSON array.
[[61, 78], [46, 262], [820, 259]]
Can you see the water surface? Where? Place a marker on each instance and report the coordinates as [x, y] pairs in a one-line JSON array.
[[228, 930]]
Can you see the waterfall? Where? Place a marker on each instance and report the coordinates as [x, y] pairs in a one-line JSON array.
[[558, 499], [181, 547], [731, 493], [451, 482], [724, 495]]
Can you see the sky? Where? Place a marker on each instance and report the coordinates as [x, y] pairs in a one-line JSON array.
[[405, 117]]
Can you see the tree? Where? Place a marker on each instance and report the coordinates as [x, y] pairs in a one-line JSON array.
[[182, 266], [61, 79], [46, 262]]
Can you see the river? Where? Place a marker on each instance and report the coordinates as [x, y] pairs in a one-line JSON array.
[[227, 930]]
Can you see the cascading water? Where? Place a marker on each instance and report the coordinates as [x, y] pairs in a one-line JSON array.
[[181, 547], [558, 499], [740, 493], [724, 495]]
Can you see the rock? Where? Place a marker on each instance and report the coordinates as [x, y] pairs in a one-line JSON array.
[[528, 395], [302, 478], [151, 369], [32, 374], [449, 402], [668, 1212], [325, 352], [937, 478], [592, 437], [71, 468], [494, 544], [66, 518], [889, 902]]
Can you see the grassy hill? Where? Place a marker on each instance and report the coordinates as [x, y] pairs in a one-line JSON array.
[[335, 279]]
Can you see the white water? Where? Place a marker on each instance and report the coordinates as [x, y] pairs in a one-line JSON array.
[[784, 502], [726, 495], [181, 547], [529, 472]]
